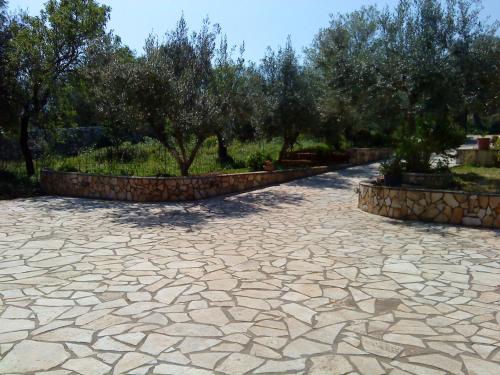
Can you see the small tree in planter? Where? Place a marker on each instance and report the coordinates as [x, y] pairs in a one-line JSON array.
[[392, 170], [429, 137]]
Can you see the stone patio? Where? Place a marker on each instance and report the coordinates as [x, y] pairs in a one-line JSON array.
[[289, 279]]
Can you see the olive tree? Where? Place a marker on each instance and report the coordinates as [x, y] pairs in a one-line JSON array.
[[44, 51], [109, 74], [416, 71], [172, 90], [290, 103], [233, 96], [6, 82], [343, 61]]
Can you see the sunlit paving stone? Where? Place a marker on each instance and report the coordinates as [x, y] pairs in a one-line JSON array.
[[288, 279]]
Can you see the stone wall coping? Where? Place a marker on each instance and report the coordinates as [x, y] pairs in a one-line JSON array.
[[183, 178], [424, 190]]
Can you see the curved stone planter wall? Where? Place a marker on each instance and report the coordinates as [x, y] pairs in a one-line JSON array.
[[440, 206], [158, 189]]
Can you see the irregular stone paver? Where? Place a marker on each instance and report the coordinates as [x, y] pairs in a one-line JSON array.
[[288, 279]]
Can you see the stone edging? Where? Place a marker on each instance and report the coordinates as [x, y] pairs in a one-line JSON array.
[[161, 189], [164, 189], [439, 206]]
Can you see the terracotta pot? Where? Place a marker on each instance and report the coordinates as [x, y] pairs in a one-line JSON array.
[[483, 143], [268, 166]]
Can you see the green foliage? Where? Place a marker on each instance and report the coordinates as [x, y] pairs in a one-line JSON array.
[[150, 158], [393, 167], [392, 170], [124, 153], [378, 71], [172, 92], [44, 52], [321, 150], [417, 145], [256, 161], [412, 77], [108, 74], [291, 107], [15, 184]]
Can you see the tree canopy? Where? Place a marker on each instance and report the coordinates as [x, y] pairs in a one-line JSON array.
[[415, 77]]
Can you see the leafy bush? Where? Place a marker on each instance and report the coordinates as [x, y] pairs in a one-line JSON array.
[[393, 167], [392, 171], [13, 185], [417, 146], [371, 138], [256, 161], [321, 150]]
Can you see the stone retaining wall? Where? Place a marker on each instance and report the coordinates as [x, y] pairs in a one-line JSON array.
[[440, 206], [153, 189], [367, 155]]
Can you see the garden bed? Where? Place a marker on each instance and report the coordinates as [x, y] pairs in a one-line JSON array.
[[477, 179]]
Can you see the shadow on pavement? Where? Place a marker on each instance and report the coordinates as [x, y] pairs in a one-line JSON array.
[[193, 214]]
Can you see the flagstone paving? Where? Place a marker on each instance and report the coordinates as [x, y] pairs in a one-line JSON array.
[[288, 279]]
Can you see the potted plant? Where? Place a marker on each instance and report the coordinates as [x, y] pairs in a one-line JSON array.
[[483, 143], [392, 170]]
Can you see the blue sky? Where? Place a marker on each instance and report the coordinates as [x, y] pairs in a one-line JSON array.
[[259, 23]]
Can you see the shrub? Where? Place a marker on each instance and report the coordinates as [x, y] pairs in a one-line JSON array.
[[13, 185], [392, 171], [256, 161], [321, 150], [393, 167], [416, 146]]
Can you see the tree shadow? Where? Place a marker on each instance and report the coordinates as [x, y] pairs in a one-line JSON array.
[[348, 178], [188, 215], [472, 181], [433, 228]]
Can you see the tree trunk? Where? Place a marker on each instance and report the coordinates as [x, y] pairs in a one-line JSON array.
[[478, 122], [462, 119], [283, 151], [184, 167], [25, 149], [223, 154]]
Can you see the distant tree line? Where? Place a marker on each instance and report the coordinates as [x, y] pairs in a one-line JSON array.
[[417, 77]]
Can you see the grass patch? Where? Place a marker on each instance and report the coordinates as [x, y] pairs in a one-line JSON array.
[[477, 179], [146, 159], [150, 158]]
